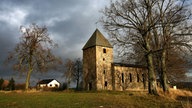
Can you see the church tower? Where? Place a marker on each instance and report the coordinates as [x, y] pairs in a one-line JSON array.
[[97, 60]]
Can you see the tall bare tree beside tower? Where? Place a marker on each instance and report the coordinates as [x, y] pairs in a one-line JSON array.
[[150, 25], [130, 22]]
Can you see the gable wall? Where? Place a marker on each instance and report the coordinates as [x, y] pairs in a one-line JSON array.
[[53, 84]]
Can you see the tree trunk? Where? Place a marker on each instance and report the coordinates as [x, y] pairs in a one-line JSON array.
[[164, 72], [77, 86], [148, 38], [144, 81], [27, 82], [68, 83], [152, 88], [78, 72], [28, 79]]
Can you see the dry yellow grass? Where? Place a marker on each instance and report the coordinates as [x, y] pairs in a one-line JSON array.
[[175, 93], [184, 96]]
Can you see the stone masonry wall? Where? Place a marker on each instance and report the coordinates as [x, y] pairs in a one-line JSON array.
[[89, 68], [103, 67], [129, 78]]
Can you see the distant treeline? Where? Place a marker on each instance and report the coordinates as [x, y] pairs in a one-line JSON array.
[[7, 84], [184, 85]]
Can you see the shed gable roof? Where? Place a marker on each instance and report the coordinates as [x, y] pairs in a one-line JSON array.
[[97, 39], [45, 81]]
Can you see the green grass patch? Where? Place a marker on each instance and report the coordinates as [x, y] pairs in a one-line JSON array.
[[104, 99]]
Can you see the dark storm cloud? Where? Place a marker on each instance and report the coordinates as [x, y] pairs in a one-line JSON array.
[[68, 21], [8, 39], [70, 24]]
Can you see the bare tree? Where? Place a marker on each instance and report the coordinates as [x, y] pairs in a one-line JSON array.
[[177, 66], [77, 73], [33, 52], [130, 22], [11, 85], [150, 26], [172, 15], [69, 69], [73, 72]]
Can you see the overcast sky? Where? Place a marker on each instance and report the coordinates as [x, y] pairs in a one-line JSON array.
[[70, 23]]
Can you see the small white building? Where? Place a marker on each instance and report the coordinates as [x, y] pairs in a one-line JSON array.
[[48, 83]]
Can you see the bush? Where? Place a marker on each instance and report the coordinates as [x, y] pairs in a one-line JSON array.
[[11, 85], [64, 86], [20, 87]]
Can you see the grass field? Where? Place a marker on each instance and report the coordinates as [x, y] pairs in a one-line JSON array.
[[104, 99]]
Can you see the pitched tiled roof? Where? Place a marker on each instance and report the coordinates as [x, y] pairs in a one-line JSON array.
[[97, 39], [45, 81]]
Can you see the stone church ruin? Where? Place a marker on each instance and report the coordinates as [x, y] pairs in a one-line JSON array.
[[100, 72]]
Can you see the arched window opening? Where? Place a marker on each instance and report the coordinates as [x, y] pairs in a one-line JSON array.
[[130, 77], [122, 77], [104, 50], [137, 77]]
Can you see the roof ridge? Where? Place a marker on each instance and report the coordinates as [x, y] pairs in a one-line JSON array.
[[45, 81]]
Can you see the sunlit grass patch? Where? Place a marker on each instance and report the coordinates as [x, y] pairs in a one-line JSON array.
[[104, 99]]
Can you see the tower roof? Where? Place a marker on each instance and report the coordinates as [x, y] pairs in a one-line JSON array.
[[97, 39]]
